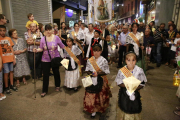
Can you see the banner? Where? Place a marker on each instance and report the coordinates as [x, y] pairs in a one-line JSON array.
[[103, 10]]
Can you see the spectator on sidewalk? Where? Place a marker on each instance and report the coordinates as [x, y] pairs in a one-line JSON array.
[[160, 36], [21, 68], [8, 58], [122, 45], [2, 96], [30, 42], [4, 21]]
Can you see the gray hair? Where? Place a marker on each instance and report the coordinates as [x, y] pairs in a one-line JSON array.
[[125, 26]]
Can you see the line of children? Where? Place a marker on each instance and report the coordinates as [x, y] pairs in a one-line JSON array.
[[8, 59]]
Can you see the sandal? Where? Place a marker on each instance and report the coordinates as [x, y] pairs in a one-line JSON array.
[[43, 94], [177, 112], [57, 89], [17, 85], [25, 83]]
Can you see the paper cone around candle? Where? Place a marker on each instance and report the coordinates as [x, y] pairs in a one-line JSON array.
[[65, 63], [113, 47], [87, 81], [131, 84]]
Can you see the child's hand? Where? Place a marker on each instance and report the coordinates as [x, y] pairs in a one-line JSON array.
[[95, 74]]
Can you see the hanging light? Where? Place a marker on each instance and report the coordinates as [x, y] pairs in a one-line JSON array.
[[64, 0]]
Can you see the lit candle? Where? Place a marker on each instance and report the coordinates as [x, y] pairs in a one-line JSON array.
[[34, 36]]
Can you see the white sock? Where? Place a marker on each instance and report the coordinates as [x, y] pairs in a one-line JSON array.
[[93, 114]]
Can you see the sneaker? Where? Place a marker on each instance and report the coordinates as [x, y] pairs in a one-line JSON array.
[[1, 98], [7, 91], [4, 97], [13, 88]]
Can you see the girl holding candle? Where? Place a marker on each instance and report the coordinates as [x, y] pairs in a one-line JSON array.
[[72, 73], [129, 105], [134, 42]]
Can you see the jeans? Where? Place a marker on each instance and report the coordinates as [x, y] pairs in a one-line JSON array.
[[46, 68], [37, 62], [122, 51], [158, 52]]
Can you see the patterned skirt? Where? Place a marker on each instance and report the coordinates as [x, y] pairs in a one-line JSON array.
[[97, 102], [21, 68]]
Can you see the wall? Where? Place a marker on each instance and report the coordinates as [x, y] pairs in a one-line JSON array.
[[164, 11], [59, 14]]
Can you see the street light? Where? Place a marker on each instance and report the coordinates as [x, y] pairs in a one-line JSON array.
[[64, 0]]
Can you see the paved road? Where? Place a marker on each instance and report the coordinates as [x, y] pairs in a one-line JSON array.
[[158, 100]]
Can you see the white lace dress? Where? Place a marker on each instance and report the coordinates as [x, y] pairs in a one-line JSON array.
[[72, 73]]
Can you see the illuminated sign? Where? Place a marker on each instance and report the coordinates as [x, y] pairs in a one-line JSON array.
[[69, 12]]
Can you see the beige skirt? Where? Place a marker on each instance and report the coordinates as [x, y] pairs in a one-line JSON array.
[[120, 115]]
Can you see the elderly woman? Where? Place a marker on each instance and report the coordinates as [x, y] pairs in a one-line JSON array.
[[49, 46], [21, 68]]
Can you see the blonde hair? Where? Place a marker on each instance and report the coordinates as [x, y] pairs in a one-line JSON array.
[[131, 55], [111, 26]]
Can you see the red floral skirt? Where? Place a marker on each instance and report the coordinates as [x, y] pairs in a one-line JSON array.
[[97, 102]]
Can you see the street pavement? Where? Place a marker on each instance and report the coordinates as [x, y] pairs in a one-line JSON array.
[[158, 100]]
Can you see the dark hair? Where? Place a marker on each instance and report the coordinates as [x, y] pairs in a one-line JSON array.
[[171, 21], [29, 15], [2, 16], [91, 24], [153, 22], [173, 25], [62, 24], [178, 32], [97, 47], [163, 24], [11, 32], [40, 26], [75, 24], [130, 52], [72, 40], [135, 24], [119, 32], [48, 27], [79, 20], [83, 24], [2, 26]]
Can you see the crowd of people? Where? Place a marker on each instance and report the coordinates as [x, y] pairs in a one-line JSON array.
[[90, 49]]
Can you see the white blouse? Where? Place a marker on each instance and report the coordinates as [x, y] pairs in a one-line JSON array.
[[137, 72], [76, 51], [103, 65], [129, 40]]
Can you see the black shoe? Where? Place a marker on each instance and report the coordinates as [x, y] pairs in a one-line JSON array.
[[158, 65], [92, 117], [51, 74], [7, 91], [13, 88], [75, 89]]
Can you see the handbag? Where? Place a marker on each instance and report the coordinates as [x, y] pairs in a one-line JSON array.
[[55, 62]]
